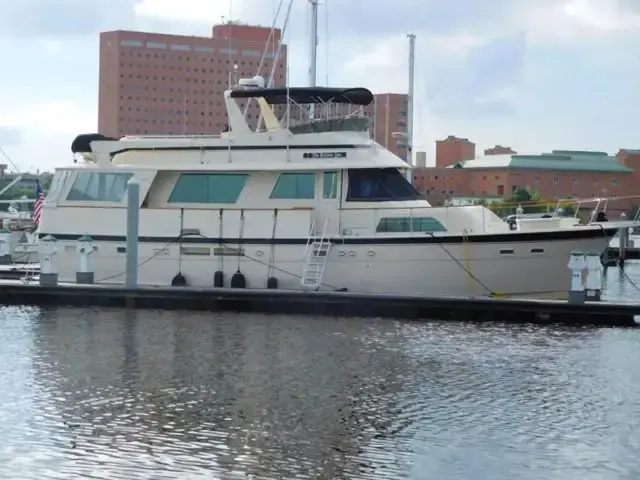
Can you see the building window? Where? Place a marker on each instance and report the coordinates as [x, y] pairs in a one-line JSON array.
[[409, 224], [99, 187], [556, 180], [614, 182], [131, 43], [208, 188], [594, 181], [156, 45], [205, 49], [180, 47], [576, 180], [500, 190], [294, 186], [330, 185], [536, 180]]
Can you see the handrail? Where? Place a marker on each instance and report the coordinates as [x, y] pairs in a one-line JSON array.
[[312, 231], [500, 205]]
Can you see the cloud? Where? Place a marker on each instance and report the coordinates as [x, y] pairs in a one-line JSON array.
[[208, 12], [536, 74], [62, 18], [10, 136], [45, 132]]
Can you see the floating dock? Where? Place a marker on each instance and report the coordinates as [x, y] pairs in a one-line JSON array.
[[480, 309], [18, 271], [613, 253]]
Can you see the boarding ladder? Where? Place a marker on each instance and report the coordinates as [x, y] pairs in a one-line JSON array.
[[315, 258]]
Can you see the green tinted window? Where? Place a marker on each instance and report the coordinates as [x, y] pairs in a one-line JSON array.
[[409, 224], [292, 186], [330, 185], [99, 187], [208, 188]]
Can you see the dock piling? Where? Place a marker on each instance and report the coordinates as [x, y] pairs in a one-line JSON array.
[[48, 261], [623, 235], [593, 282], [133, 225], [85, 249], [577, 265]]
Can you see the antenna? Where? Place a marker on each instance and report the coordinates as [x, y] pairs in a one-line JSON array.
[[326, 42], [313, 43], [412, 55]]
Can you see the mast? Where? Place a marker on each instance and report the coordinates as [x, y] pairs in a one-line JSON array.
[[412, 54], [313, 51], [313, 43]]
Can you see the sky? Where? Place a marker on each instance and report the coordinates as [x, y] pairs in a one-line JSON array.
[[535, 75]]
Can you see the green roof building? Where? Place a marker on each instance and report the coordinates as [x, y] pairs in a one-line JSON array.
[[557, 160]]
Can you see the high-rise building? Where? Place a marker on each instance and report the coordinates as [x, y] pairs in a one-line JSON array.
[[154, 83], [389, 114]]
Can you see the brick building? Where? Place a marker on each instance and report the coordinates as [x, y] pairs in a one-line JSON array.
[[153, 83], [459, 175], [499, 150], [389, 114]]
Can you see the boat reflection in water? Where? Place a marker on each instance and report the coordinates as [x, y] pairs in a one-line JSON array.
[[240, 393]]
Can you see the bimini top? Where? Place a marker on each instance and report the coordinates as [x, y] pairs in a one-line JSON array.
[[274, 96], [82, 143]]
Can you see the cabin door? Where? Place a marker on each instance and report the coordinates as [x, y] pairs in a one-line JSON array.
[[329, 201]]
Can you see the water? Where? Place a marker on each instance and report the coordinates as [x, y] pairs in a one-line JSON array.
[[157, 395]]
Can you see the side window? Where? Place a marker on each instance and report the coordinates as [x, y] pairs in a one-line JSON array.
[[409, 224], [99, 187], [208, 188], [330, 185], [294, 186]]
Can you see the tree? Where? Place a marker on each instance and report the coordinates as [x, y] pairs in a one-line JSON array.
[[528, 200], [568, 206]]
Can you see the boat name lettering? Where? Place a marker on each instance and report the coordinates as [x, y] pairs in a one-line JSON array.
[[325, 155]]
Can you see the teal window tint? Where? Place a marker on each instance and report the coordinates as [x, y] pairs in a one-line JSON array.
[[330, 185], [208, 188], [295, 186], [409, 224], [99, 187]]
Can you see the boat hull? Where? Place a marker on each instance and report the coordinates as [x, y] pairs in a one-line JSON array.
[[534, 268]]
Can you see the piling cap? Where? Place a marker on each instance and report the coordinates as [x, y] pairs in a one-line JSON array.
[[593, 253], [49, 238], [577, 252], [85, 238]]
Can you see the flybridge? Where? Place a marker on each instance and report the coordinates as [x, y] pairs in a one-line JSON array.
[[307, 95]]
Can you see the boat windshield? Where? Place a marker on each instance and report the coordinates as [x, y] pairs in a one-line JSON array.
[[379, 185], [344, 124]]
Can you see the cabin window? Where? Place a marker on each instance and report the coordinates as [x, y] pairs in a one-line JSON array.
[[330, 185], [294, 186], [99, 187], [409, 224], [208, 188], [379, 185], [57, 184]]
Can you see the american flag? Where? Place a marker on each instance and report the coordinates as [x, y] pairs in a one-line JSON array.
[[37, 212]]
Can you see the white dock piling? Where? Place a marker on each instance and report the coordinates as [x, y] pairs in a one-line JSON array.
[[577, 264], [593, 283], [49, 261], [85, 249]]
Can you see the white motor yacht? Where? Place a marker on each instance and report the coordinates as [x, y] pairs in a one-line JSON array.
[[315, 204]]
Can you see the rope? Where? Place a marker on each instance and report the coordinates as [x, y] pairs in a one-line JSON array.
[[468, 272]]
